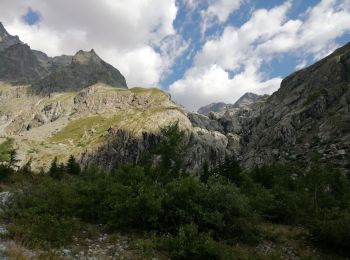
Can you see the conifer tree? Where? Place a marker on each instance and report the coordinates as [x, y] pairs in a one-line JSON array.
[[55, 171], [73, 167]]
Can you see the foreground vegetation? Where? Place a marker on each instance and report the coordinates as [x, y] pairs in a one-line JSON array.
[[183, 216]]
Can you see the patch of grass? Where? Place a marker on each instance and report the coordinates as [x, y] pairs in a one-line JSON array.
[[84, 131], [5, 149], [153, 91]]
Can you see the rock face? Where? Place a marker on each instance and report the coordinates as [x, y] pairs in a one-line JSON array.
[[19, 64], [308, 117]]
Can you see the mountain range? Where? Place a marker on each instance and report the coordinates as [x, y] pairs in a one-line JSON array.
[[80, 105]]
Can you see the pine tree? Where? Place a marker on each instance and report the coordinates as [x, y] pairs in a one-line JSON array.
[[206, 172], [55, 171], [73, 167], [230, 169]]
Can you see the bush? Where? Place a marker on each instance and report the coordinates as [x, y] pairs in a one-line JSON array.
[[5, 172], [43, 231], [333, 231], [188, 243]]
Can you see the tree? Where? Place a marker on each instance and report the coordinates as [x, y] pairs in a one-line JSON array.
[[229, 169], [206, 172], [13, 158], [171, 150], [55, 171], [72, 166]]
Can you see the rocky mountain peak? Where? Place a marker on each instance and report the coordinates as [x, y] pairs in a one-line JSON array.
[[86, 57], [245, 100], [7, 40], [3, 31]]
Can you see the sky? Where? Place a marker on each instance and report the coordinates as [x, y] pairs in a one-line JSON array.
[[200, 51]]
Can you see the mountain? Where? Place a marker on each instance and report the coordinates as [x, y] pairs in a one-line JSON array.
[[307, 118], [220, 108], [85, 69], [100, 125], [6, 40], [80, 105], [246, 100], [213, 107], [19, 64]]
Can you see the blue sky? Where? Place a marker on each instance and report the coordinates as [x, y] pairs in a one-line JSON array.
[[200, 51]]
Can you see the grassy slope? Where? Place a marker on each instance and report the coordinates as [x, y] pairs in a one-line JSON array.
[[82, 129]]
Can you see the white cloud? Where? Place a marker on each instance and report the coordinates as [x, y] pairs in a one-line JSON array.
[[202, 86], [218, 11], [222, 9], [232, 64], [125, 33], [301, 65]]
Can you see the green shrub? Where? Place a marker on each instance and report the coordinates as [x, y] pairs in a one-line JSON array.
[[5, 172], [332, 231], [188, 243], [44, 230]]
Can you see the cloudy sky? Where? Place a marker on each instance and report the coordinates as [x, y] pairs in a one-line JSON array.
[[201, 51]]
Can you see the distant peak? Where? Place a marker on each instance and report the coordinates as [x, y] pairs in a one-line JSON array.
[[86, 57], [250, 94], [3, 31], [247, 99]]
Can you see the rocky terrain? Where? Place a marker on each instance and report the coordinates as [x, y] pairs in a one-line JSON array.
[[99, 124], [80, 105], [307, 118]]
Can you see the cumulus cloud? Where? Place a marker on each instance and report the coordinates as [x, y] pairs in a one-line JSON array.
[[125, 33], [232, 64]]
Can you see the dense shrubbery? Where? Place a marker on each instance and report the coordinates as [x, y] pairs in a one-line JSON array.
[[188, 213]]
